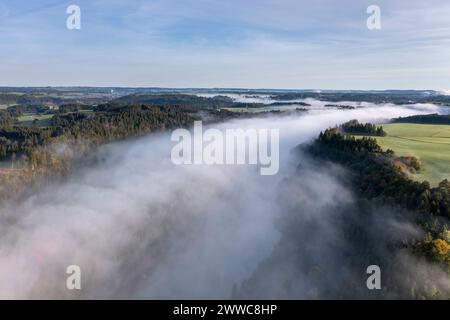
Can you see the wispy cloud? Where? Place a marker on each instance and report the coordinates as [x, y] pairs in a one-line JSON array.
[[265, 43]]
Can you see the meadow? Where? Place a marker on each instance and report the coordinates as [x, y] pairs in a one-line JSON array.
[[41, 120], [429, 143]]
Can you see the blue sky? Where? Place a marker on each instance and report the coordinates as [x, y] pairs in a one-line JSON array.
[[321, 44]]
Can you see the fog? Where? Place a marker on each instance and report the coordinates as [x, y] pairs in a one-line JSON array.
[[141, 227]]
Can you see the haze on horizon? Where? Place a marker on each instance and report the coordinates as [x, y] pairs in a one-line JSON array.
[[323, 44]]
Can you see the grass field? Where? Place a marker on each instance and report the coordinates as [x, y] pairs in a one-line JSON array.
[[42, 120], [429, 143]]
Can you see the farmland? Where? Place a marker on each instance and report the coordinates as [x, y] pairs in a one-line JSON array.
[[35, 119], [429, 143]]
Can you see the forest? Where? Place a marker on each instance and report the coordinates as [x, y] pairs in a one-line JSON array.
[[368, 129], [383, 177], [424, 119], [32, 151], [382, 174]]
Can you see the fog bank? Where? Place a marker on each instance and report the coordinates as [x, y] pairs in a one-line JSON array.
[[140, 227]]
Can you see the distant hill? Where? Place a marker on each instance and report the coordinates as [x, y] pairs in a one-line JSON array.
[[96, 95], [181, 100]]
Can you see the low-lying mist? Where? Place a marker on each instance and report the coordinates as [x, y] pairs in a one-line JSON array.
[[140, 227]]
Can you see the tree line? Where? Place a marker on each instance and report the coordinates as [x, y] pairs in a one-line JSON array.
[[425, 119], [367, 129]]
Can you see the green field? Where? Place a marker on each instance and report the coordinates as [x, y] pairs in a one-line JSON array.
[[429, 143], [42, 120]]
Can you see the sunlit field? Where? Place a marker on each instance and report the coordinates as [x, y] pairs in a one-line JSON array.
[[429, 143]]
